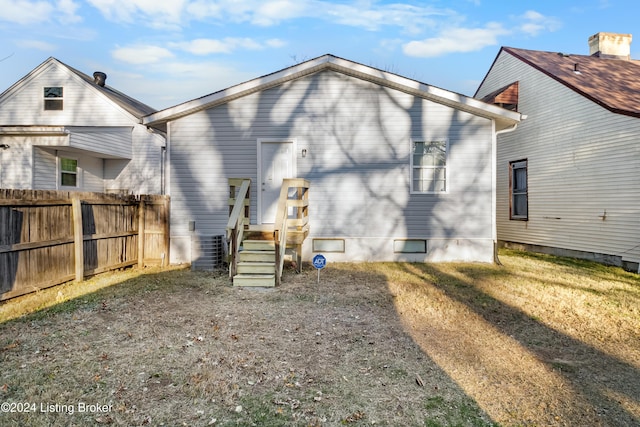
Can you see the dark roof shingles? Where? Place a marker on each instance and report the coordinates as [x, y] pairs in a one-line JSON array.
[[612, 83]]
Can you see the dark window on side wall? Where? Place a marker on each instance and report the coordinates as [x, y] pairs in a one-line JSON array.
[[518, 189], [53, 98]]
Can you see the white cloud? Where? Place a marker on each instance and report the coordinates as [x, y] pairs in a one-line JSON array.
[[274, 11], [456, 40], [367, 14], [412, 19], [68, 9], [25, 11], [36, 44], [141, 54], [533, 23], [180, 81], [226, 45], [204, 46], [155, 13], [275, 43]]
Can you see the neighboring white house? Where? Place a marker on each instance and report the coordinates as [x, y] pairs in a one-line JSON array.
[[63, 130], [399, 170], [568, 177]]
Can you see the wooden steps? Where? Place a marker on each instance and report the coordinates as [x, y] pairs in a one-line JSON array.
[[256, 264], [253, 260]]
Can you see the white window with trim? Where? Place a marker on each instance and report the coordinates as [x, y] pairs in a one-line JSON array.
[[429, 166], [69, 176]]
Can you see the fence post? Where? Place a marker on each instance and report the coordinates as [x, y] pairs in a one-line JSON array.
[[78, 238], [141, 212]]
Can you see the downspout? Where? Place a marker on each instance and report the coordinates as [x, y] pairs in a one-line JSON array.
[[163, 157], [494, 196], [3, 147]]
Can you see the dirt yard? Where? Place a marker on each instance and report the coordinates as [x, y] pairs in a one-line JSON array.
[[539, 341]]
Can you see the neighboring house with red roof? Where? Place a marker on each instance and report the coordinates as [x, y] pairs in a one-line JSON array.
[[63, 130], [568, 178]]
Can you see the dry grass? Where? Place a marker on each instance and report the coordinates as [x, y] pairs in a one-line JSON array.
[[540, 341]]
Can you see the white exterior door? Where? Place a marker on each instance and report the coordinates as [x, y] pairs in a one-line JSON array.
[[276, 162]]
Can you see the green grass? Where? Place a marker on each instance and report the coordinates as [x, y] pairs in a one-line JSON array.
[[444, 413]]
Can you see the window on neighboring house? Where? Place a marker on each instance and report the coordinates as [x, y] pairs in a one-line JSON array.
[[518, 188], [68, 172], [429, 166], [53, 98]]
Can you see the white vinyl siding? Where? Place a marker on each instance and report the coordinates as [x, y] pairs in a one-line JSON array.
[[92, 173], [111, 142], [16, 163], [583, 164], [356, 135], [82, 106], [45, 167]]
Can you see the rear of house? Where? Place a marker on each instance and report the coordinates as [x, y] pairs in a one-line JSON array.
[[398, 170], [567, 179], [63, 130]]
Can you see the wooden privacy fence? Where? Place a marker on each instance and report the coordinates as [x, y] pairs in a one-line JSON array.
[[51, 237]]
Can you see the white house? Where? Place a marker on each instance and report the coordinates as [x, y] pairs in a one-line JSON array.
[[398, 169], [63, 130], [568, 179]]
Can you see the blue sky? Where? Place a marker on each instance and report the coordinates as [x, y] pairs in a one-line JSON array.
[[165, 52]]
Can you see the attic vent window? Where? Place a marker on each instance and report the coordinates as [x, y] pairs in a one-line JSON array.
[[53, 98]]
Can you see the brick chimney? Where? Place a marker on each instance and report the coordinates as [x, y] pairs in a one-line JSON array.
[[610, 46]]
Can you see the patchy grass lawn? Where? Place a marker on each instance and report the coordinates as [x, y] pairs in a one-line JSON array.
[[539, 341]]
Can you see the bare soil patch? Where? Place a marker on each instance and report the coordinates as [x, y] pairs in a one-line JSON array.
[[539, 341]]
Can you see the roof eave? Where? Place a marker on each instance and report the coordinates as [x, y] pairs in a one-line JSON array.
[[234, 92], [344, 66]]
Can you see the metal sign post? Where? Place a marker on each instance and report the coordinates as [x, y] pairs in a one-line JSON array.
[[319, 262]]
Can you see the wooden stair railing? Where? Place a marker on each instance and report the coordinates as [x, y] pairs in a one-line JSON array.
[[239, 205], [285, 226]]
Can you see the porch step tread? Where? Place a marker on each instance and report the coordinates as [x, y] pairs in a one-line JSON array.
[[253, 267], [258, 245], [257, 256], [258, 280]]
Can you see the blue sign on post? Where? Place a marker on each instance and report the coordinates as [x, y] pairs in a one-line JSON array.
[[319, 262]]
